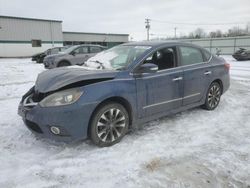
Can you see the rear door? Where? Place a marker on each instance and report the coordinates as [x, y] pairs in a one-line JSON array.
[[197, 74]]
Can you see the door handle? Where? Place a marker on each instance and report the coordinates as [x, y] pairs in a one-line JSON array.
[[177, 79], [207, 72]]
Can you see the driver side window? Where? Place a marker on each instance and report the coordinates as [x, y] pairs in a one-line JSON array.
[[81, 50], [164, 58]]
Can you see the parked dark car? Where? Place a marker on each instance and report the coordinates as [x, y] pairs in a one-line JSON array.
[[122, 87], [75, 55], [40, 56], [242, 54]]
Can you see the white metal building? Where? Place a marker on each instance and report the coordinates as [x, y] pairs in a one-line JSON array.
[[21, 37], [227, 45], [104, 39]]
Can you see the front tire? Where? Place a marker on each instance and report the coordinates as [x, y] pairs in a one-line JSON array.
[[213, 96], [63, 64], [109, 124]]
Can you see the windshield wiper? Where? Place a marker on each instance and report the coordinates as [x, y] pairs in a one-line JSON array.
[[96, 61], [100, 63]]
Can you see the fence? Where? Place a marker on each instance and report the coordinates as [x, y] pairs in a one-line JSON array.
[[227, 45]]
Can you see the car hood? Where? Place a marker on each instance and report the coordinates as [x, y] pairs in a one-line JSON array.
[[57, 78], [38, 54]]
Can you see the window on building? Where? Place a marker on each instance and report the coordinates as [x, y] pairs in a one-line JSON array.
[[36, 43], [190, 55]]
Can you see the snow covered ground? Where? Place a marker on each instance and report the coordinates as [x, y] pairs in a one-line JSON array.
[[195, 148]]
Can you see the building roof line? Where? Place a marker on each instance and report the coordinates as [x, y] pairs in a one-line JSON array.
[[88, 33], [35, 19]]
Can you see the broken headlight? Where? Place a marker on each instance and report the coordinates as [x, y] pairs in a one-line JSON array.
[[61, 98]]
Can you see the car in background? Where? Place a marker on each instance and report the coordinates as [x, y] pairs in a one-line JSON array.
[[122, 87], [40, 56], [75, 55], [242, 54]]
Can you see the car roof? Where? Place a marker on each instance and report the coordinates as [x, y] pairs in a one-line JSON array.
[[160, 43], [89, 45]]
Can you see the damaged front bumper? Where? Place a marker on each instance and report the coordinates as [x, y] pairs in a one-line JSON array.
[[72, 120]]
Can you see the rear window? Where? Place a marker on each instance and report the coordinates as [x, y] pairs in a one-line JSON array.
[[207, 55], [190, 55], [54, 51]]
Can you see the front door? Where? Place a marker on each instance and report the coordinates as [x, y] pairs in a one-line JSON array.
[[80, 55], [161, 91]]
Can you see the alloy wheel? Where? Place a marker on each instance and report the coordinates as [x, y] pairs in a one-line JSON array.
[[111, 125], [214, 96]]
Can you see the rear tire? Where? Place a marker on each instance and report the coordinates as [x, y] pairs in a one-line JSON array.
[[109, 124], [63, 64], [213, 96]]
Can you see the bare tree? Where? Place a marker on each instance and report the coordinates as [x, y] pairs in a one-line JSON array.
[[212, 34], [218, 33], [199, 33], [248, 28]]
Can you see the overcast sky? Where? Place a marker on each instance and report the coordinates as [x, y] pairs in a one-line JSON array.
[[128, 16]]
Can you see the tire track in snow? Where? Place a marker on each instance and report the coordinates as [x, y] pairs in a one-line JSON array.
[[16, 83]]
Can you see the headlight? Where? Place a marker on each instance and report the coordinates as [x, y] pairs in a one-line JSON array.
[[62, 98]]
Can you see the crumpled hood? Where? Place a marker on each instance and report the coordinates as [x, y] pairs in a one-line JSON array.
[[57, 78]]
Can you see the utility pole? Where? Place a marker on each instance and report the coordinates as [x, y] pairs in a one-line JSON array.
[[147, 22], [51, 34], [175, 32]]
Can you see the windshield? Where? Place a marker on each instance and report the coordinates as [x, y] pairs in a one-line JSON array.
[[69, 49], [117, 58]]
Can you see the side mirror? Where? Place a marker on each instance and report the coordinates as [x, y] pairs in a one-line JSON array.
[[73, 53], [148, 68]]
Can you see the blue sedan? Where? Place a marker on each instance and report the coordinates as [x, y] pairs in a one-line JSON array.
[[122, 87]]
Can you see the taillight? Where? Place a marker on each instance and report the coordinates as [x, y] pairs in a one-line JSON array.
[[227, 66]]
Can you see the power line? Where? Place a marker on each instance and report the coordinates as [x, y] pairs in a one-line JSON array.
[[186, 23]]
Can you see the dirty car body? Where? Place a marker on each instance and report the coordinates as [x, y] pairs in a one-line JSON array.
[[144, 88]]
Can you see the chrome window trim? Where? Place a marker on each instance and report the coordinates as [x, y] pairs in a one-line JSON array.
[[205, 62], [179, 67]]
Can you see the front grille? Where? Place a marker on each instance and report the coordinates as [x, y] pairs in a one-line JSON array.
[[33, 126]]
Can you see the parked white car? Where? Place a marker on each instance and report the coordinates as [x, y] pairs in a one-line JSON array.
[[75, 55]]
